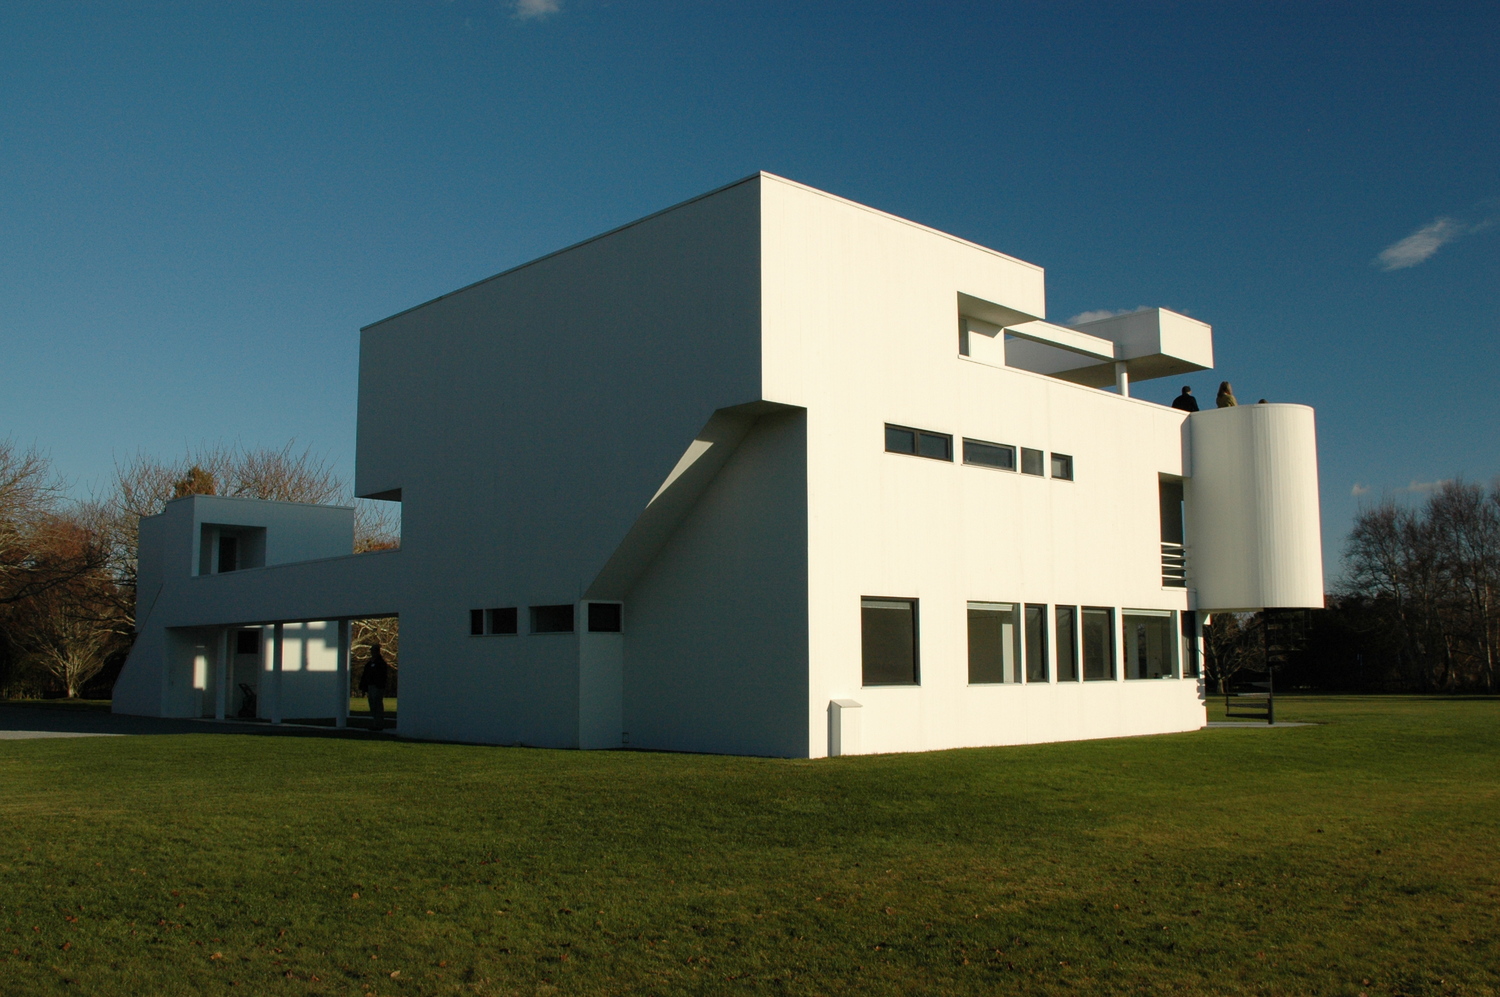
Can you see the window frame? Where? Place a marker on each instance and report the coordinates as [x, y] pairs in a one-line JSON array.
[[916, 642], [1041, 457], [1111, 639], [1053, 458], [1016, 674], [1045, 653], [532, 617], [1075, 644], [917, 436], [1173, 652], [1014, 464]]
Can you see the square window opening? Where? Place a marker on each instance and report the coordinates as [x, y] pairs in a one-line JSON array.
[[1150, 643], [247, 642], [1062, 466], [605, 617], [888, 641], [1033, 462], [503, 620]]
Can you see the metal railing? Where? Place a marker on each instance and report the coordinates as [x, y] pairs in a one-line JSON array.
[[1173, 565]]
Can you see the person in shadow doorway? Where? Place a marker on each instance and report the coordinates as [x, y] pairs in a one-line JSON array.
[[373, 683]]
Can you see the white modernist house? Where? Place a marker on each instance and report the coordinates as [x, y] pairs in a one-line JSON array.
[[768, 472]]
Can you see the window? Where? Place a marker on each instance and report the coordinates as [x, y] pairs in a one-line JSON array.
[[1150, 645], [994, 643], [604, 617], [1066, 619], [1098, 644], [492, 621], [247, 642], [1032, 461], [1173, 553], [1036, 643], [552, 619], [1062, 466], [888, 632], [918, 443], [1190, 644], [996, 455], [229, 550], [502, 621]]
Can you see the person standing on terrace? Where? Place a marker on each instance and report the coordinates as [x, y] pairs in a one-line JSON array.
[[1185, 401], [1226, 396]]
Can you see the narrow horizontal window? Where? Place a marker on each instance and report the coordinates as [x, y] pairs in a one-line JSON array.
[[918, 442], [1062, 466], [552, 619], [1032, 461], [502, 621], [996, 455], [604, 617], [476, 623]]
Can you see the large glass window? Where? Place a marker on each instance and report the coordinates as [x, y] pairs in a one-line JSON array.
[[994, 643], [1036, 643], [1190, 644], [1066, 619], [918, 442], [1150, 643], [888, 632], [1098, 644], [996, 455]]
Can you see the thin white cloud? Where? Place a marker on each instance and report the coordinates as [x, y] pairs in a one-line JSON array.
[[1099, 313], [1419, 487], [535, 10], [1420, 246], [1359, 489]]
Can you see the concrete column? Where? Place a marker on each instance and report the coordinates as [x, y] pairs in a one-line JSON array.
[[341, 716], [221, 675], [1122, 379], [278, 644]]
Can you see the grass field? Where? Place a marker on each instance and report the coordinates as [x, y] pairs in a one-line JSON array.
[[1361, 856]]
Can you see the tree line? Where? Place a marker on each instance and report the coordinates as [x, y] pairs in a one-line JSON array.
[[68, 566], [1419, 610]]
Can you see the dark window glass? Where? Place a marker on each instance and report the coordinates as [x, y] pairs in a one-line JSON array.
[[1062, 466], [935, 445], [1066, 623], [1149, 647], [1098, 644], [888, 631], [1031, 461], [898, 440], [247, 642], [1169, 494], [996, 455], [1190, 644], [502, 621], [1036, 644], [476, 623], [229, 549], [552, 619], [994, 643], [604, 617]]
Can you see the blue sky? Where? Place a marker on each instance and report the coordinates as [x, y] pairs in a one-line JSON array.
[[201, 204]]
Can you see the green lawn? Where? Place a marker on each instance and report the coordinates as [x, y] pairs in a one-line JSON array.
[[1356, 857]]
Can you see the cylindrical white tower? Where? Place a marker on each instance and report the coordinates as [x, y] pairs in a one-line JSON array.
[[1253, 533]]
